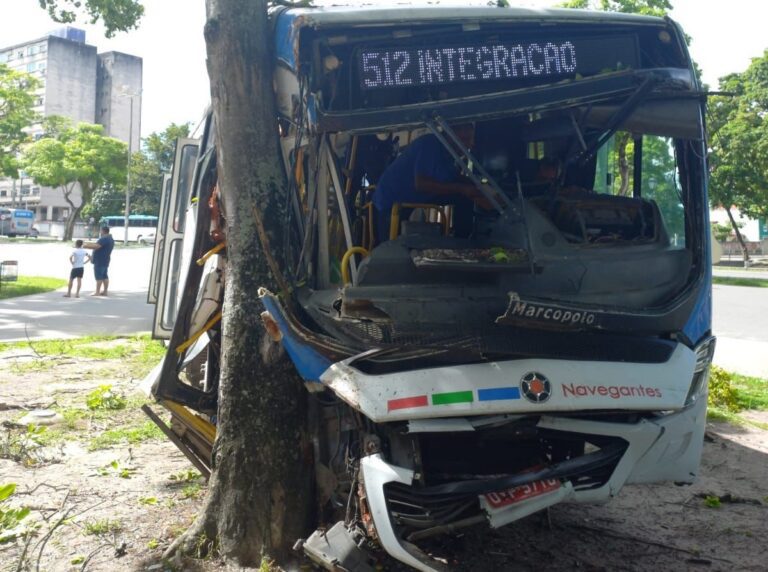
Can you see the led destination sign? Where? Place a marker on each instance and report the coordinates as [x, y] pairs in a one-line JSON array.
[[424, 66]]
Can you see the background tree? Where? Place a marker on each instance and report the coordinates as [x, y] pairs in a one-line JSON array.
[[116, 15], [79, 155], [738, 146], [17, 100], [646, 7], [148, 165]]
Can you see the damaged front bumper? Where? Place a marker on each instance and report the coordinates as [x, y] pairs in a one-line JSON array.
[[667, 447]]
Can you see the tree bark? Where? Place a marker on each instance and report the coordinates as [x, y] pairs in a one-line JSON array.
[[622, 142], [740, 238], [74, 212], [259, 497]]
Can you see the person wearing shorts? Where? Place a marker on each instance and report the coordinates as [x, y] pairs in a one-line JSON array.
[[102, 251], [78, 260]]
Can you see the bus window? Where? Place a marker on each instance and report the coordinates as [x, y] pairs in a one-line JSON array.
[[188, 156]]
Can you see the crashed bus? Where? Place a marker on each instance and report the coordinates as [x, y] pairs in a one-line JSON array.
[[500, 266]]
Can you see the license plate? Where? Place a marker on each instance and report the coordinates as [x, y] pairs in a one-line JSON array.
[[515, 495]]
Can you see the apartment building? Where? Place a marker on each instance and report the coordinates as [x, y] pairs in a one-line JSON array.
[[79, 83]]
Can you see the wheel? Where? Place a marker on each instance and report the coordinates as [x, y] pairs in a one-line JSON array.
[[141, 240]]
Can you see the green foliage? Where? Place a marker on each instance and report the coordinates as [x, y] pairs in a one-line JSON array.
[[17, 100], [738, 127], [722, 393], [185, 476], [722, 232], [712, 501], [101, 527], [733, 281], [105, 398], [147, 431], [646, 7], [117, 15], [10, 518], [80, 155], [147, 168], [22, 445]]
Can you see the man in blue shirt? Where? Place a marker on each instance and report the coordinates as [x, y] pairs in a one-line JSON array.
[[102, 250], [426, 173]]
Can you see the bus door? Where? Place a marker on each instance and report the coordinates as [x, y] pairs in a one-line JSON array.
[[165, 284], [157, 252]]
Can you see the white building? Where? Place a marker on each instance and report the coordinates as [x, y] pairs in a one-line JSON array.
[[80, 84]]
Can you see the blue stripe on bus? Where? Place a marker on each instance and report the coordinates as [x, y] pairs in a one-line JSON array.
[[498, 393]]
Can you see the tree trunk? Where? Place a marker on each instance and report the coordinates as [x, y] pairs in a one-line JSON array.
[[622, 142], [74, 212], [259, 498], [740, 238]]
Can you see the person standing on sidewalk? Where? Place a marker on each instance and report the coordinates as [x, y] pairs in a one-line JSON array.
[[102, 250], [78, 260]]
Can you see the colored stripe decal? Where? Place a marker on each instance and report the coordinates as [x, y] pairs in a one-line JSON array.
[[407, 402], [453, 397], [498, 393]]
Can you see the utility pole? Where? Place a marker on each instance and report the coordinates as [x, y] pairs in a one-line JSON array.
[[128, 182]]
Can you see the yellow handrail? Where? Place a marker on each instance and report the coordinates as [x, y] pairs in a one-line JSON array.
[[211, 252], [208, 325], [345, 261]]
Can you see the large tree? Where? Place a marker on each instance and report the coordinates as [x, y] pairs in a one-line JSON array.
[[73, 157], [258, 500], [259, 497], [17, 101], [738, 144]]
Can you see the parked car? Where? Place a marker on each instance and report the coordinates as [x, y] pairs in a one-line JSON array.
[[147, 239]]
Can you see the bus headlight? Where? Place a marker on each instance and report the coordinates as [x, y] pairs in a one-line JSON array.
[[705, 351]]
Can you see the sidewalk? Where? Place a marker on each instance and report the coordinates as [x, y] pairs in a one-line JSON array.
[[52, 316]]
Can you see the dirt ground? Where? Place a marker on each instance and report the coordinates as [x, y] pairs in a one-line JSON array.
[[108, 493]]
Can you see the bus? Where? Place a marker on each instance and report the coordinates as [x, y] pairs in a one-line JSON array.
[[550, 341], [141, 228], [16, 222]]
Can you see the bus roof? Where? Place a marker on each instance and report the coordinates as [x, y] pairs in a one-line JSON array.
[[290, 21]]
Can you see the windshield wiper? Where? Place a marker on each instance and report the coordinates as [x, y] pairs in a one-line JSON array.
[[616, 121]]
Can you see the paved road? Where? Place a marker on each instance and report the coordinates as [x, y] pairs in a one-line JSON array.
[[740, 322], [50, 315], [740, 313]]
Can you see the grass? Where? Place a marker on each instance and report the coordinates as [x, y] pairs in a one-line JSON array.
[[130, 434], [26, 285], [751, 392], [100, 527], [137, 354], [732, 393], [733, 281]]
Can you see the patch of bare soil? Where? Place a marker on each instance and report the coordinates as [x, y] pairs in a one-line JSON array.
[[118, 508], [106, 491]]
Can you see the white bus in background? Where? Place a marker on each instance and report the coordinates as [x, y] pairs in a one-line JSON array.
[[141, 228], [16, 222]]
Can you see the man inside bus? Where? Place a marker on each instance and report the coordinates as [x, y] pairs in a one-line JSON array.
[[102, 250], [425, 172]]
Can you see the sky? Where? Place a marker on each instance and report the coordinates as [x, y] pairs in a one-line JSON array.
[[725, 36]]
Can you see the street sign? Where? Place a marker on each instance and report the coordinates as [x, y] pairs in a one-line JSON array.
[[764, 228]]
